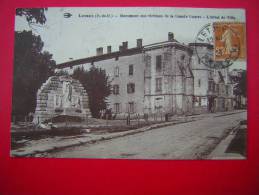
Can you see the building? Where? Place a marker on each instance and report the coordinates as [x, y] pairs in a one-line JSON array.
[[213, 88], [164, 77]]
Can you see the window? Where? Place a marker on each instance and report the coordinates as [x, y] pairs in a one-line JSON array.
[[78, 101], [131, 107], [199, 60], [116, 89], [211, 86], [199, 82], [116, 71], [223, 104], [210, 74], [217, 88], [117, 107], [227, 89], [158, 63], [182, 57], [57, 100], [158, 84], [222, 89], [131, 69], [131, 88]]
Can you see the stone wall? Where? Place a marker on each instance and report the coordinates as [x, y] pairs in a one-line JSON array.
[[61, 95], [176, 91]]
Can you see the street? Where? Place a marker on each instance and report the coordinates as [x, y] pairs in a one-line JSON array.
[[192, 140]]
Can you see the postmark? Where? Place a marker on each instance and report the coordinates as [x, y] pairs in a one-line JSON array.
[[203, 45]]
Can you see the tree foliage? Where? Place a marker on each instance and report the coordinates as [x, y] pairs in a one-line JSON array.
[[32, 67], [61, 73], [240, 87], [97, 86], [33, 15]]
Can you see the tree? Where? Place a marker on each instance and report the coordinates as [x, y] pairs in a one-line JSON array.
[[32, 67], [61, 73], [97, 86], [240, 88], [33, 15]]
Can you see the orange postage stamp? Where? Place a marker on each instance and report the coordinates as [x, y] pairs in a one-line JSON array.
[[229, 41]]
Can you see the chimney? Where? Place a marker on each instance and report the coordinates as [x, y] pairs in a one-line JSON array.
[[120, 48], [139, 43], [170, 36], [109, 49], [99, 51], [125, 45]]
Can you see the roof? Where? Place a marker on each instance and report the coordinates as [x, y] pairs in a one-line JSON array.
[[209, 46], [125, 52], [106, 56], [163, 44]]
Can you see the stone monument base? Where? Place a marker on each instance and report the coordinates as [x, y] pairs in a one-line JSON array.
[[61, 96]]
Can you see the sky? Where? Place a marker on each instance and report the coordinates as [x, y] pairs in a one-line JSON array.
[[89, 28]]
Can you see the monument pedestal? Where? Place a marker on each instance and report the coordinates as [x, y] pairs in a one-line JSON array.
[[61, 95]]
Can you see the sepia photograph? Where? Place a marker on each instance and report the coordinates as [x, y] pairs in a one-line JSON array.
[[129, 83]]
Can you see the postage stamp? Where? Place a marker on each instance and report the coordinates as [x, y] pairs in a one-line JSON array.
[[229, 41], [225, 42]]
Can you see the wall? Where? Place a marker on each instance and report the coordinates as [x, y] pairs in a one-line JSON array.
[[176, 84], [122, 79]]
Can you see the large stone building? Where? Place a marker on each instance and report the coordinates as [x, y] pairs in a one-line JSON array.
[[164, 77], [213, 88]]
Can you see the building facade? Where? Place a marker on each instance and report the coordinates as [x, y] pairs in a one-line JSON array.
[[213, 88], [164, 77]]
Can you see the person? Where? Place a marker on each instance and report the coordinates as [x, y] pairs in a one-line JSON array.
[[128, 119], [67, 94], [102, 114], [227, 38], [31, 115]]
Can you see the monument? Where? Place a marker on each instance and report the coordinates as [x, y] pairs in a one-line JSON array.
[[61, 95]]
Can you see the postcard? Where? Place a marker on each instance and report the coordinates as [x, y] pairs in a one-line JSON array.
[[129, 83]]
